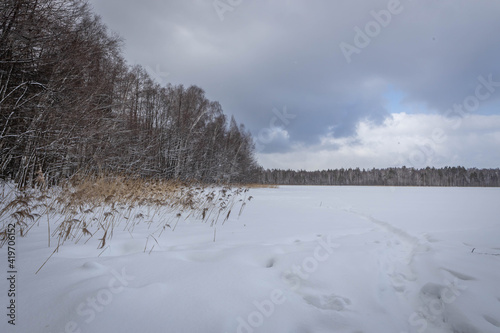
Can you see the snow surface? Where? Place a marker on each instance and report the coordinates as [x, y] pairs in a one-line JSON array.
[[299, 259]]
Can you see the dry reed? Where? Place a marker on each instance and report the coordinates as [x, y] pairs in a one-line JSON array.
[[88, 207]]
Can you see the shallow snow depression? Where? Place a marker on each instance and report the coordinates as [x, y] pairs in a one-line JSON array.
[[299, 259]]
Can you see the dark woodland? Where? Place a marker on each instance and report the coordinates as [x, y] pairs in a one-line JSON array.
[[448, 176], [70, 104]]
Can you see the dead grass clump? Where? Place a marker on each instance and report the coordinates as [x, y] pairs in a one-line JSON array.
[[18, 210], [260, 186], [88, 207]]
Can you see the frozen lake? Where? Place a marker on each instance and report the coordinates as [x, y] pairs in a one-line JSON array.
[[298, 259]]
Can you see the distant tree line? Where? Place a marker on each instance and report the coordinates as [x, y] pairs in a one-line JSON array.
[[69, 103], [448, 176]]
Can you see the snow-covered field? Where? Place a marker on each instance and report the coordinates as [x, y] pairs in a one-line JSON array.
[[299, 259]]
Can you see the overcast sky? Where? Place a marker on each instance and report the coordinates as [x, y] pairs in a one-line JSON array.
[[333, 83]]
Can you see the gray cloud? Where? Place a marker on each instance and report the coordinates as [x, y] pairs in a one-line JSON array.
[[267, 55]]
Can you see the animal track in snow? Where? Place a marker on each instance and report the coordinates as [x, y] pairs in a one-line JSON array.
[[270, 263], [395, 262], [328, 302], [460, 276], [431, 239], [492, 321]]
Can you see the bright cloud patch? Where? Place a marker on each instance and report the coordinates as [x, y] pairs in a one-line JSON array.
[[413, 140], [272, 139]]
